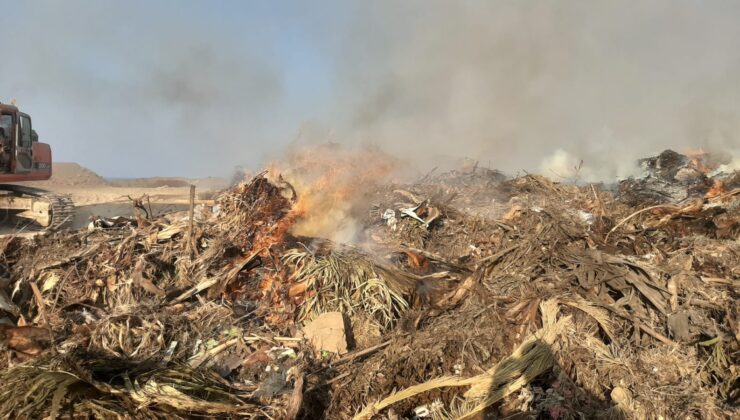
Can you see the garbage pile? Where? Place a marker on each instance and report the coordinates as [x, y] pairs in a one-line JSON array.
[[468, 294]]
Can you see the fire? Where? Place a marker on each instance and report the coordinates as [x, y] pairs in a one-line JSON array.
[[329, 182], [276, 234], [700, 160], [706, 162], [717, 189]]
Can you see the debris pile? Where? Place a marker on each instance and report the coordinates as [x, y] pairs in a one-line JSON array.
[[673, 177], [466, 293]]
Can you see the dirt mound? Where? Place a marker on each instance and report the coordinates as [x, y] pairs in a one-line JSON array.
[[211, 183], [67, 174], [155, 182]]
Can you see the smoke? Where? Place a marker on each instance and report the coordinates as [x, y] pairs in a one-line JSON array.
[[189, 88], [518, 84], [139, 89]]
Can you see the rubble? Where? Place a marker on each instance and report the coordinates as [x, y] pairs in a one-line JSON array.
[[467, 294]]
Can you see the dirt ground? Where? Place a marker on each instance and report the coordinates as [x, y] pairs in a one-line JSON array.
[[93, 195]]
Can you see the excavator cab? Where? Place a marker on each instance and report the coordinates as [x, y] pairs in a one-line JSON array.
[[17, 139], [22, 156], [6, 138], [24, 145], [22, 159]]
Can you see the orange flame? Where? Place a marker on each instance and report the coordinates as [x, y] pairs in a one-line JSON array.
[[700, 160], [717, 189], [329, 182]]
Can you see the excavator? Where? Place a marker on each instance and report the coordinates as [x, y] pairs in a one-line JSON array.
[[23, 158]]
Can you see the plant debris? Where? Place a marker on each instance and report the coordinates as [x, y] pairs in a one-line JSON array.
[[466, 294]]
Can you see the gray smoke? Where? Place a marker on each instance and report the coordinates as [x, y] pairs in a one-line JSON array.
[[139, 88], [533, 84], [191, 88]]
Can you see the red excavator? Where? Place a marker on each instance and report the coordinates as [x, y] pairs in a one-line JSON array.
[[23, 158]]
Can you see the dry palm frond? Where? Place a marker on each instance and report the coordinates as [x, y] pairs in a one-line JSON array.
[[721, 369], [129, 336], [171, 230], [549, 310], [28, 392], [459, 407], [532, 358], [101, 387], [600, 315], [348, 281]]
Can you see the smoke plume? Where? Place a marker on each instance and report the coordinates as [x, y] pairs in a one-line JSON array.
[[523, 84], [193, 88]]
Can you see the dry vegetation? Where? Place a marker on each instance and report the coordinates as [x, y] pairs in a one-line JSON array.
[[502, 297]]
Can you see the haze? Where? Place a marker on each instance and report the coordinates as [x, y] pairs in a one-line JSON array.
[[191, 88]]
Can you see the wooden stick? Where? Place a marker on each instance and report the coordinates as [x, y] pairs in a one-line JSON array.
[[296, 399], [356, 355], [658, 336], [149, 204], [201, 286], [201, 358], [191, 216], [42, 311], [638, 325], [635, 214], [717, 280], [39, 301], [329, 382], [225, 278], [271, 339]]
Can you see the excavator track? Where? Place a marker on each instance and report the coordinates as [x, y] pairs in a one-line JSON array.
[[61, 206]]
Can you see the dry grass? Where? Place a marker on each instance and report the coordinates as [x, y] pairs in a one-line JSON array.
[[348, 281]]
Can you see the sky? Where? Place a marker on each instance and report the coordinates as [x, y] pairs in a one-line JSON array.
[[195, 88]]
